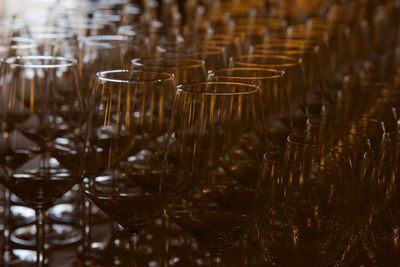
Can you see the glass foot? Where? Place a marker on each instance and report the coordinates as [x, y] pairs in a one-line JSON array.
[[56, 234]]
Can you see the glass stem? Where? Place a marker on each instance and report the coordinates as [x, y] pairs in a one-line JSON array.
[[6, 253], [166, 229], [40, 237], [87, 227], [133, 246], [216, 259]]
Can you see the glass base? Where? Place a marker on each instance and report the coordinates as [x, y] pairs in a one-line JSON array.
[[22, 215], [56, 235], [63, 213], [10, 259]]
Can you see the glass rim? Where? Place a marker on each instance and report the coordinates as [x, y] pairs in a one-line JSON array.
[[194, 54], [67, 62], [391, 133], [280, 45], [50, 32], [101, 76], [23, 43], [292, 53], [302, 44], [200, 47], [191, 62], [293, 60], [270, 156], [222, 42], [103, 38], [54, 35], [127, 30], [315, 121], [107, 17], [83, 26], [182, 88], [378, 158], [267, 156], [299, 133], [278, 73]]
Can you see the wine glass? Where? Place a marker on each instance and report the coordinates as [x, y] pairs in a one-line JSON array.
[[53, 41], [304, 209], [231, 44], [274, 98], [97, 53], [300, 145], [310, 55], [41, 102], [11, 46], [371, 128], [102, 52], [215, 143], [303, 145], [378, 213], [295, 82], [127, 125]]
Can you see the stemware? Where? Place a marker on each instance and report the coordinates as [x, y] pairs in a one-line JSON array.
[[378, 215], [303, 146], [97, 53], [127, 125], [17, 46], [53, 41], [371, 128], [294, 79], [274, 100], [41, 103], [11, 46], [231, 44], [310, 55], [304, 209], [216, 139]]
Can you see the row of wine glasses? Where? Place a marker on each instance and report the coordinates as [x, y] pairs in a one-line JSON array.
[[122, 142], [314, 206], [114, 125]]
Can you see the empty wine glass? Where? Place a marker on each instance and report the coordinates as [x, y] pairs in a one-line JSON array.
[[378, 213], [127, 125], [216, 139], [371, 128], [11, 46], [274, 100], [303, 146], [53, 41], [300, 145], [304, 209], [41, 102], [294, 79]]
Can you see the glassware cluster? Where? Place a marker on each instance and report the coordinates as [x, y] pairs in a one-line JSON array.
[[201, 133]]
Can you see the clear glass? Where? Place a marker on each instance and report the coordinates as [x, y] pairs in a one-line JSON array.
[[304, 209], [378, 206], [214, 148], [184, 69], [43, 118], [295, 82], [274, 100], [127, 128]]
